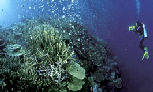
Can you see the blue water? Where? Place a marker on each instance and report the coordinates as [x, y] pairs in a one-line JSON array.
[[107, 19], [137, 74]]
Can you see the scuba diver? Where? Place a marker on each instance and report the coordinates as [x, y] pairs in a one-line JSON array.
[[141, 31]]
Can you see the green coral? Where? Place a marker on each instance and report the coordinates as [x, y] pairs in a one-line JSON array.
[[78, 74], [76, 70], [9, 67], [75, 84], [50, 54], [47, 43]]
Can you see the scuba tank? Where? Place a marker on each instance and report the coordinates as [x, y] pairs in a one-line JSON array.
[[144, 31]]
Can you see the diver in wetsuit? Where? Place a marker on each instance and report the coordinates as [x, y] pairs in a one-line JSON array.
[[141, 31]]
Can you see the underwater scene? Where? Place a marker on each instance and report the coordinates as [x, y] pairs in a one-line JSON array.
[[76, 46]]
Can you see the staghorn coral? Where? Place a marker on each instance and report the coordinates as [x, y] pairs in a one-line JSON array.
[[9, 67], [46, 42], [50, 53]]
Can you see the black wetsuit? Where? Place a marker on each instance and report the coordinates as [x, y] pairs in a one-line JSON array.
[[139, 30]]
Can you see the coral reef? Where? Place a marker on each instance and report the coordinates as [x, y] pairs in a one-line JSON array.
[[78, 74], [58, 56], [2, 44], [75, 84], [75, 70], [14, 50]]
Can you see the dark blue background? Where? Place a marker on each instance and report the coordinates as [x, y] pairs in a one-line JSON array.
[[137, 74]]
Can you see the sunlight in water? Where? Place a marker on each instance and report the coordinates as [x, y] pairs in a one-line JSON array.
[[7, 11], [4, 3], [138, 7], [4, 6]]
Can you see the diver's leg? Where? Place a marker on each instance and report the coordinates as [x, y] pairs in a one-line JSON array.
[[141, 44]]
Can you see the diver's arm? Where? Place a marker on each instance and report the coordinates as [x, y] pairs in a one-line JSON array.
[[137, 30]]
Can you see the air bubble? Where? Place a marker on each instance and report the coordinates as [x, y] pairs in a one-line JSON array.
[[30, 7], [63, 16]]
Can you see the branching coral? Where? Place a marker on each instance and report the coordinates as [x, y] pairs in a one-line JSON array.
[[50, 53], [49, 63], [48, 44], [9, 67]]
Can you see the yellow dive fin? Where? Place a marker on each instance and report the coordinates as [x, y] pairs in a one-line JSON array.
[[146, 54]]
